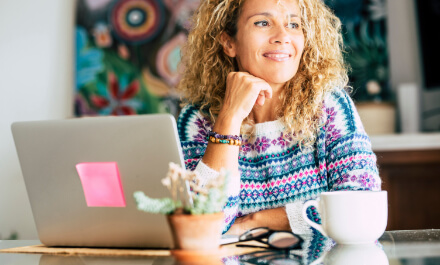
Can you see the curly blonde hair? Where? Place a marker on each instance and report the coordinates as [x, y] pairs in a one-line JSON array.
[[321, 68]]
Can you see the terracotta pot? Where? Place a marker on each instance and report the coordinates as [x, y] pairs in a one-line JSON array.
[[196, 232]]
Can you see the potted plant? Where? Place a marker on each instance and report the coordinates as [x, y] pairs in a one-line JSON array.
[[194, 211]]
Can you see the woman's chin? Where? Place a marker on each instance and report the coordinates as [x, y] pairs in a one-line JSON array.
[[278, 81], [274, 78]]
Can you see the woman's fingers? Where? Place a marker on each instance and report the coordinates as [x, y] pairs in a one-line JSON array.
[[268, 92], [243, 91], [265, 91], [260, 99]]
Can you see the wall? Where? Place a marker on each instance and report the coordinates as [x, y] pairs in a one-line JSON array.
[[36, 83], [405, 58]]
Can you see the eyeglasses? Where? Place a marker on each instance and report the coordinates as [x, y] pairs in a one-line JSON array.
[[281, 240], [270, 257]]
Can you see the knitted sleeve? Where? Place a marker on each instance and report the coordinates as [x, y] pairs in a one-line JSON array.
[[193, 130], [349, 159]]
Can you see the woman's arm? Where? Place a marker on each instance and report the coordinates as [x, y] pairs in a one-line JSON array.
[[193, 130], [275, 219], [207, 158], [243, 91], [218, 156]]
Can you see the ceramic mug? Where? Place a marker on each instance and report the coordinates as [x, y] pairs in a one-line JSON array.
[[350, 217], [353, 254]]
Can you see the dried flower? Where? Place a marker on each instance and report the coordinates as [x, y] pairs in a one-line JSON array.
[[188, 191]]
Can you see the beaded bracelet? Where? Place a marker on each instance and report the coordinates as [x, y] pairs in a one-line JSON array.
[[224, 139]]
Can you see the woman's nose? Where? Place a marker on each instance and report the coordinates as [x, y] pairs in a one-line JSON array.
[[280, 35]]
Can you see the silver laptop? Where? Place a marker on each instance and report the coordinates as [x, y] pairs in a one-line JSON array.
[[138, 150]]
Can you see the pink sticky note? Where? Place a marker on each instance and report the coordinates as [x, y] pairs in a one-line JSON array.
[[101, 184]]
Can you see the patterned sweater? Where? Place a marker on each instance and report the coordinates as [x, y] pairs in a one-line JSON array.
[[278, 173]]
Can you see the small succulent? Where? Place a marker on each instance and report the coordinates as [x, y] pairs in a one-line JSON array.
[[189, 194]]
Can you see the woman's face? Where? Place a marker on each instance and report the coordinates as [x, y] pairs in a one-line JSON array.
[[269, 40]]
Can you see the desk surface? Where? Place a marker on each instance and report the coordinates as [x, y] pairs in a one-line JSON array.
[[421, 247], [398, 142]]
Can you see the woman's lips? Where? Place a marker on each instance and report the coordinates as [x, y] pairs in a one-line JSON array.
[[278, 56]]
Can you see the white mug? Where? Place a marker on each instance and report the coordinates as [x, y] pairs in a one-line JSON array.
[[350, 217], [353, 254]]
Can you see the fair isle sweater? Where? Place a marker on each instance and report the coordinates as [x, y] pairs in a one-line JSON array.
[[278, 173]]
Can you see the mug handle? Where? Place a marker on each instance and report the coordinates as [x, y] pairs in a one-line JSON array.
[[318, 227]]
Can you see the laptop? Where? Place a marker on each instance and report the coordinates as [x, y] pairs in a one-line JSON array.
[[57, 156]]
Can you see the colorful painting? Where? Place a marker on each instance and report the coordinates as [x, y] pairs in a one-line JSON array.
[[128, 51], [364, 30], [127, 55]]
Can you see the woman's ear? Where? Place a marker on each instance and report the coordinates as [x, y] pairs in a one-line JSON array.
[[228, 45]]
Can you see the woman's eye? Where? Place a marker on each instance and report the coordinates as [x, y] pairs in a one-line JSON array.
[[261, 23], [293, 25]]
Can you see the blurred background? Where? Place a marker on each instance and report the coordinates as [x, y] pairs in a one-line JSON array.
[[63, 59]]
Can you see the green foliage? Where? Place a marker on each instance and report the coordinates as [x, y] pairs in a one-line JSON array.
[[147, 204], [213, 202], [206, 198], [367, 56]]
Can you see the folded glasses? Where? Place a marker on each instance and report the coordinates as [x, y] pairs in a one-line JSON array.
[[281, 240]]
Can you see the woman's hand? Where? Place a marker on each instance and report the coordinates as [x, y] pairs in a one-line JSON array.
[[243, 91], [275, 219], [242, 224]]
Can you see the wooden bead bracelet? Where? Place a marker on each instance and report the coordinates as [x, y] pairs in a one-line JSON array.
[[224, 139]]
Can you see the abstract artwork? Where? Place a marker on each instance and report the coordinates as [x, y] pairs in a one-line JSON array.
[[127, 55], [128, 52]]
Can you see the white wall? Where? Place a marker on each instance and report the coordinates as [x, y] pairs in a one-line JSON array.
[[405, 57], [36, 83]]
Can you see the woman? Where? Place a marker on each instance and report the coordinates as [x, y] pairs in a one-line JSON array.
[[271, 72]]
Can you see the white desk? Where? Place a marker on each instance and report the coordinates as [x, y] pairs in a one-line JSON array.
[[396, 142]]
